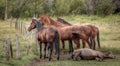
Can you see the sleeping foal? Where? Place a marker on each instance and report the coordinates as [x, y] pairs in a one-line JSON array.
[[89, 54]]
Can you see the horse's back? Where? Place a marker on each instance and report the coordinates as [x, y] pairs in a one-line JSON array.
[[88, 52]]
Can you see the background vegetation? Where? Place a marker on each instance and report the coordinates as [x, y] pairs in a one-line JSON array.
[[109, 37], [105, 14], [30, 8]]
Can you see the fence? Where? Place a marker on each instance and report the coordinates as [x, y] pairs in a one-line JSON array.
[[21, 27]]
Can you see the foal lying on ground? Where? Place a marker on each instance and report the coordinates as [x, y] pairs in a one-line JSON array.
[[89, 54]]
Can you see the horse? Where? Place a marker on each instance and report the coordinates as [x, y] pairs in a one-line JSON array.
[[89, 54], [48, 36], [66, 31], [94, 29]]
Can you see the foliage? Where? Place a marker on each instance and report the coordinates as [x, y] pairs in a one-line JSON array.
[[109, 36], [30, 8], [105, 7]]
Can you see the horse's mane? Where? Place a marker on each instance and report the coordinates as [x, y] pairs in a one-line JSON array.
[[39, 25], [51, 21], [63, 21]]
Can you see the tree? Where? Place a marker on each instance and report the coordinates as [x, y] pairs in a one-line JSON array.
[[6, 10]]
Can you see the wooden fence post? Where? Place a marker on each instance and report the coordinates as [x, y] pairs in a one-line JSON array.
[[16, 23], [24, 28], [28, 47], [10, 23], [21, 27], [36, 45], [18, 46], [9, 51]]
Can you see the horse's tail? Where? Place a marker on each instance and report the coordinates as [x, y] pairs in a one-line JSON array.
[[98, 39], [56, 40]]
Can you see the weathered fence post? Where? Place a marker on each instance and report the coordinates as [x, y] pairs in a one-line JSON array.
[[19, 26], [16, 23], [9, 51], [21, 30], [24, 29], [18, 46], [28, 47], [10, 23], [36, 45]]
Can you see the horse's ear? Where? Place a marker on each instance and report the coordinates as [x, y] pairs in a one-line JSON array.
[[58, 18], [48, 20]]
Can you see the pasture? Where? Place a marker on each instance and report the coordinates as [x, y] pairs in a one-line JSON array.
[[109, 27]]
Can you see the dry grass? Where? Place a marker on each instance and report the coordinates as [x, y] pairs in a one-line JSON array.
[[109, 35]]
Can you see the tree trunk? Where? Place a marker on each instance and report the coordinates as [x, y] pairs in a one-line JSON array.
[[6, 11]]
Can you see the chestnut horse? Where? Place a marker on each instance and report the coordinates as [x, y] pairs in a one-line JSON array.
[[66, 32], [94, 29], [48, 36]]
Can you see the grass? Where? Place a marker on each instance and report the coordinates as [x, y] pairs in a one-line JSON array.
[[109, 36]]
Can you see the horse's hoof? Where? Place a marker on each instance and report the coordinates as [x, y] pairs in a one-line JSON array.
[[40, 56], [45, 57], [76, 48], [58, 58], [62, 49], [49, 59]]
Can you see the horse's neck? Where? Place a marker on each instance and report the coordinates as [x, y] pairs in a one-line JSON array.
[[39, 26], [53, 22]]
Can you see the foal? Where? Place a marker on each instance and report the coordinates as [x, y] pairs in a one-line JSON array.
[[48, 36], [89, 54]]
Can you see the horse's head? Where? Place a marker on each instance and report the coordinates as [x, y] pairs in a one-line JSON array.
[[109, 55], [34, 24]]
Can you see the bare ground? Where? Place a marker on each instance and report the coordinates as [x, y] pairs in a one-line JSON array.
[[45, 62]]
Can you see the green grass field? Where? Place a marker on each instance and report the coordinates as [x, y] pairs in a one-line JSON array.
[[109, 36]]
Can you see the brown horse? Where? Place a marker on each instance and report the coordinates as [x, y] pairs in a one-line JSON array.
[[94, 29], [66, 32], [48, 36]]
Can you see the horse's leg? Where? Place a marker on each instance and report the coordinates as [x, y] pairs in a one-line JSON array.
[[94, 44], [40, 45], [83, 42], [77, 42], [45, 50], [98, 39], [51, 49], [63, 45], [57, 44], [70, 46], [89, 44], [57, 50]]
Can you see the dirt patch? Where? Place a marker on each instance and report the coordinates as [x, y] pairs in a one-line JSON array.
[[44, 62]]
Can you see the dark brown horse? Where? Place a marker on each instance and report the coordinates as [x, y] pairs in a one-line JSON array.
[[94, 29], [66, 32], [48, 36]]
